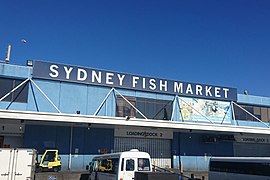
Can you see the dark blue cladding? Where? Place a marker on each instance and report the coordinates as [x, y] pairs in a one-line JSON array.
[[53, 71], [58, 137], [193, 144]]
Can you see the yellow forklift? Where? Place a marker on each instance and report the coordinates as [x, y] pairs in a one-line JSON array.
[[50, 161]]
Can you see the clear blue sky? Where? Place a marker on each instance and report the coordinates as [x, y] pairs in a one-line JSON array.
[[219, 42]]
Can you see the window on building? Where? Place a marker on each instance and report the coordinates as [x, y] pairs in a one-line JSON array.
[[263, 113], [151, 108], [123, 108], [154, 109], [268, 114], [257, 112], [20, 95]]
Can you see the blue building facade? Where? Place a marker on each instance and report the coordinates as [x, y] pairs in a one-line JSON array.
[[102, 111]]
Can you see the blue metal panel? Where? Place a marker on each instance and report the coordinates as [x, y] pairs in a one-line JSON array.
[[189, 163], [17, 106], [165, 97], [175, 162], [73, 98], [9, 70], [202, 163], [251, 123], [3, 105], [87, 142], [51, 89], [176, 113], [17, 72], [78, 140], [254, 100], [63, 139], [13, 106], [95, 96], [92, 140], [40, 137], [97, 139], [110, 106], [195, 163], [251, 149], [145, 95], [176, 144], [195, 153], [43, 137], [64, 161], [125, 92], [77, 148], [191, 144], [77, 162]]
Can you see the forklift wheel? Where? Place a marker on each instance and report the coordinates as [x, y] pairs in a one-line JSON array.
[[56, 169], [39, 169]]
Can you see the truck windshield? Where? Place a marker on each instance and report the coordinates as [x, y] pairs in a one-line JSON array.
[[143, 164]]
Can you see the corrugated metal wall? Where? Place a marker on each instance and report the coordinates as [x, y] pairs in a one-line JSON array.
[[251, 149], [159, 149]]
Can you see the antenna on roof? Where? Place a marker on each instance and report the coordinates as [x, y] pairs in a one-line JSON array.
[[8, 54]]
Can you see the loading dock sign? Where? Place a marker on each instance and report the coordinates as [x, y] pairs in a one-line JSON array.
[[143, 133], [252, 139]]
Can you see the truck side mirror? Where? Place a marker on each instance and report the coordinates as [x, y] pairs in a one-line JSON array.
[[59, 158], [87, 167]]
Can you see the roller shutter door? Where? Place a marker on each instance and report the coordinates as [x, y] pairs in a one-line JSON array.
[[159, 149]]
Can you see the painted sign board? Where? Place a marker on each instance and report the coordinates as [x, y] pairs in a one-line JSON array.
[[62, 72], [143, 133], [252, 139]]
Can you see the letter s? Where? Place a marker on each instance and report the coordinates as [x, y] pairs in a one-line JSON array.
[[53, 69]]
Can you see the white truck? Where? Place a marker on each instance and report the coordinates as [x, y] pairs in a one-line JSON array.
[[119, 166], [17, 164]]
